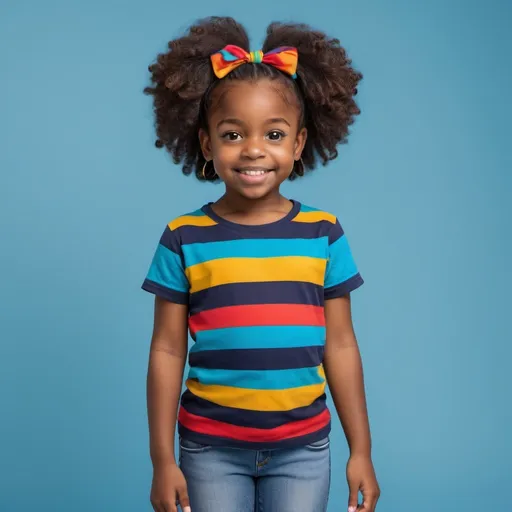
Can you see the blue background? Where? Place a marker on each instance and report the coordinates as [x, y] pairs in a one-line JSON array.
[[423, 190]]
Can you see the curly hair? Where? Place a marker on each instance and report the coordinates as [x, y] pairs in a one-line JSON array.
[[183, 82]]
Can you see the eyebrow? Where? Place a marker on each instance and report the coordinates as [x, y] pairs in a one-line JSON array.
[[230, 120], [233, 120], [278, 120]]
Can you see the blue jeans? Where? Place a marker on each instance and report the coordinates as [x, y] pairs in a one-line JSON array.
[[238, 480]]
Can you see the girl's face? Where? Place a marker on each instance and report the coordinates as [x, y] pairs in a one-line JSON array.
[[254, 136]]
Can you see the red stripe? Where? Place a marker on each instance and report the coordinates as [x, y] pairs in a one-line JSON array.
[[210, 427], [257, 314]]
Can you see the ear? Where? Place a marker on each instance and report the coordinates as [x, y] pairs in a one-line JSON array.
[[206, 144], [300, 142]]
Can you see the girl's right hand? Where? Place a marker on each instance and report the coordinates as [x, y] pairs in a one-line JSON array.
[[169, 488]]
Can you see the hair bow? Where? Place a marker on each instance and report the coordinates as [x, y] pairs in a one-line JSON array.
[[230, 57]]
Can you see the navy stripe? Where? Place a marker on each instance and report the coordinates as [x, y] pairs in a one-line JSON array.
[[170, 240], [294, 442], [165, 293], [222, 232], [335, 233], [344, 288], [236, 294], [246, 418], [258, 359]]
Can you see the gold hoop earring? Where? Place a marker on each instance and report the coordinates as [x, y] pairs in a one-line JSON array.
[[205, 177]]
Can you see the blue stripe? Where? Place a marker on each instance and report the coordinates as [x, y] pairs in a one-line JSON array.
[[258, 359], [247, 418], [166, 270], [275, 336], [227, 56], [341, 265], [258, 379], [255, 248], [304, 208]]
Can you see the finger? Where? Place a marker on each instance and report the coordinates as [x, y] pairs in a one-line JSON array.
[[184, 499], [156, 506], [170, 507], [370, 503], [352, 498]]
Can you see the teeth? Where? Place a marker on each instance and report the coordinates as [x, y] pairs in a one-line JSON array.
[[253, 173]]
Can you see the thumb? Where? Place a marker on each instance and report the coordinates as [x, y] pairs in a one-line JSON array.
[[352, 499]]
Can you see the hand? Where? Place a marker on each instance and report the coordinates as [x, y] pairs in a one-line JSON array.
[[169, 487], [361, 477]]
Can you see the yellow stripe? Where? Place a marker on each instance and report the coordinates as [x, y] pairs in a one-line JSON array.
[[255, 270], [256, 399], [191, 220], [315, 217]]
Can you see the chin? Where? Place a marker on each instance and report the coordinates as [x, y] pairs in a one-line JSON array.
[[254, 192]]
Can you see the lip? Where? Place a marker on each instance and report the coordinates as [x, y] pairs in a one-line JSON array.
[[252, 169], [253, 180]]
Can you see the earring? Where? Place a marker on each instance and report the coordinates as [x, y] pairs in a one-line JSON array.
[[299, 172], [205, 177]]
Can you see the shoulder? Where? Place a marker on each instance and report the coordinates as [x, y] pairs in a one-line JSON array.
[[172, 237], [195, 218], [328, 223], [313, 214]]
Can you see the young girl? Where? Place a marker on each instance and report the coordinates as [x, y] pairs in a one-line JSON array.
[[261, 282]]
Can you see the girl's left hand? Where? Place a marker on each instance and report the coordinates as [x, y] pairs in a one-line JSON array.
[[361, 477]]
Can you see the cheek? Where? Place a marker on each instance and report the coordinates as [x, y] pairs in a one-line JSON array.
[[226, 154], [221, 150], [283, 152]]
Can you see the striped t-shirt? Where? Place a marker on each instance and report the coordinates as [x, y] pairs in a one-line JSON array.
[[256, 315]]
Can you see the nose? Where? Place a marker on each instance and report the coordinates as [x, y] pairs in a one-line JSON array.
[[253, 148]]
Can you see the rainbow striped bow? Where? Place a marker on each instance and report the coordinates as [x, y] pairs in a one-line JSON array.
[[230, 57]]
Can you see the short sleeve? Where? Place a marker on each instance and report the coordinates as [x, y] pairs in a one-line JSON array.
[[166, 276], [341, 275]]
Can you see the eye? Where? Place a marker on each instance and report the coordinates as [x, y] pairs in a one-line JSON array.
[[232, 136], [276, 135]]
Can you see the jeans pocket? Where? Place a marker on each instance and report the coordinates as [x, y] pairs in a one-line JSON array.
[[192, 447], [321, 444]]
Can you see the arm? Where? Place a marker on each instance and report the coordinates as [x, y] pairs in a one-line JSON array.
[[344, 372], [165, 377], [164, 382]]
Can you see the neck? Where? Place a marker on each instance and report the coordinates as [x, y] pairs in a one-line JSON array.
[[234, 202]]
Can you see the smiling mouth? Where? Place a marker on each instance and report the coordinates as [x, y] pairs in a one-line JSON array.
[[253, 171]]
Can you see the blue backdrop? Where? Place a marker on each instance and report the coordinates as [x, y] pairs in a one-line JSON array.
[[422, 189]]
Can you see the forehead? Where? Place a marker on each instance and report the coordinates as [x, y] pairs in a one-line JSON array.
[[253, 100]]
